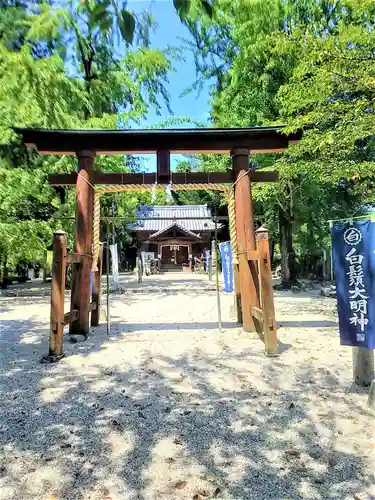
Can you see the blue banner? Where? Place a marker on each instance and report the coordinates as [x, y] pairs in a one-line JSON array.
[[353, 248], [227, 265]]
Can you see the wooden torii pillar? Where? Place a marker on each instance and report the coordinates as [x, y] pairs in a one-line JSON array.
[[248, 273], [81, 271]]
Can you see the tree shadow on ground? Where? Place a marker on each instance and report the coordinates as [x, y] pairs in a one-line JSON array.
[[157, 327], [307, 324], [221, 420]]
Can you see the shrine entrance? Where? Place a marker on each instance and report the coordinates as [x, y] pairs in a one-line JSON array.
[[251, 261], [174, 252], [181, 254]]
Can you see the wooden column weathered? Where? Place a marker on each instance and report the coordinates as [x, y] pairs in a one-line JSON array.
[[266, 292], [57, 296], [245, 237], [96, 289], [80, 298]]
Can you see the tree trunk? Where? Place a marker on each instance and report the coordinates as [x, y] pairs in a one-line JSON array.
[[4, 284], [288, 261], [272, 250]]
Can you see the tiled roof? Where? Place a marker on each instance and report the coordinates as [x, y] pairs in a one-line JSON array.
[[174, 214]]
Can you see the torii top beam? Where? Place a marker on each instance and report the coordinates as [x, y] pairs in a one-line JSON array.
[[202, 140]]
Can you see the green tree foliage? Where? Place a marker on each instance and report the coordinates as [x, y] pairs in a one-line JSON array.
[[84, 64], [308, 64], [202, 163], [330, 95]]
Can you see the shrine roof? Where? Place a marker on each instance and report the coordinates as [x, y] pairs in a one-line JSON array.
[[173, 214]]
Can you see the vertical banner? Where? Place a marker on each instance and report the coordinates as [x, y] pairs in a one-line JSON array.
[[207, 255], [353, 247], [227, 265], [115, 274], [143, 262]]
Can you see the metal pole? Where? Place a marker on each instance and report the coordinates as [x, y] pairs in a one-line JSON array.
[[107, 259], [113, 231], [331, 253], [217, 281], [113, 222]]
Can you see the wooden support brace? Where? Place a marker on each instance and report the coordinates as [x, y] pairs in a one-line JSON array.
[[71, 316], [74, 258], [74, 315], [257, 313], [57, 323], [266, 292]]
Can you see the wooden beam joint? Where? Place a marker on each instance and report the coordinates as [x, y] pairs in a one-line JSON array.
[[257, 313], [71, 316], [163, 166], [93, 306], [74, 258], [252, 255]]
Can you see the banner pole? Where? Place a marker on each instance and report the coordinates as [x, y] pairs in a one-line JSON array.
[[107, 263], [217, 280], [331, 251]]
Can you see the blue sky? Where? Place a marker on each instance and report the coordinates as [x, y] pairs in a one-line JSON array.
[[168, 32]]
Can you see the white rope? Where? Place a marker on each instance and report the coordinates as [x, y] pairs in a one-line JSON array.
[[84, 178]]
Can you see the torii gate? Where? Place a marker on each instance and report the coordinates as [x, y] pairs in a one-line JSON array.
[[250, 250]]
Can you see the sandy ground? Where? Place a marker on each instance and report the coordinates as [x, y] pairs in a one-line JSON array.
[[167, 407]]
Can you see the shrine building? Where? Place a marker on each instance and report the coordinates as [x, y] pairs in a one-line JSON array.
[[175, 239]]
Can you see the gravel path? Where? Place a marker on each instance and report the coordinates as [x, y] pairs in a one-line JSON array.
[[169, 408]]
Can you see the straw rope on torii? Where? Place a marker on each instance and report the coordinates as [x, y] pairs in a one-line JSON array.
[[228, 190]]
